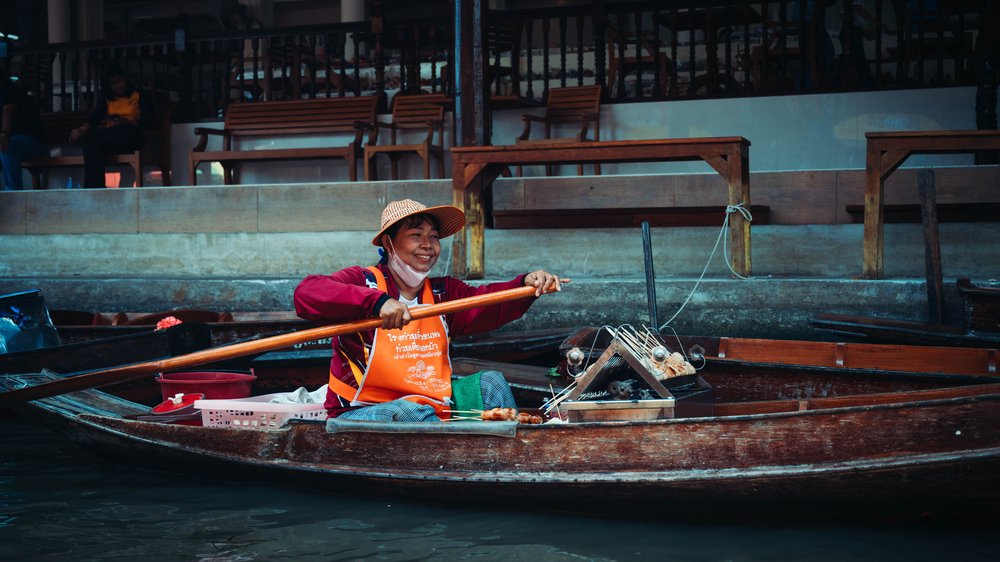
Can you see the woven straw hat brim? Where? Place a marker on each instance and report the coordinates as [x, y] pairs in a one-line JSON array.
[[450, 220]]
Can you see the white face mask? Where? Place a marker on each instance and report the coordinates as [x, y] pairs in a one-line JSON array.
[[409, 276]]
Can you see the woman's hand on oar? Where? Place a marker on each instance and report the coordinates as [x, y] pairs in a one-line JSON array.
[[543, 282], [124, 373]]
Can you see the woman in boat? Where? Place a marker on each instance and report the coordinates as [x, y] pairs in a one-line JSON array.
[[402, 371]]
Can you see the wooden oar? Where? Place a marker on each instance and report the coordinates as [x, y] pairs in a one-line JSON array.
[[125, 373]]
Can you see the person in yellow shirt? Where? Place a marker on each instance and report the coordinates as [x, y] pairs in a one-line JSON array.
[[114, 127]]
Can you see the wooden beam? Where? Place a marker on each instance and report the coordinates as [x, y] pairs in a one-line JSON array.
[[932, 247], [871, 267], [470, 74]]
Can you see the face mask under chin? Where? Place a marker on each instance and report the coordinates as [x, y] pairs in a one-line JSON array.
[[411, 277]]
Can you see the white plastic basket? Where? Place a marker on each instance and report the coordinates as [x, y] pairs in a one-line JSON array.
[[256, 412]]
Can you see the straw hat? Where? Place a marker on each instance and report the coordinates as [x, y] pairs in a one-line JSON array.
[[450, 219]]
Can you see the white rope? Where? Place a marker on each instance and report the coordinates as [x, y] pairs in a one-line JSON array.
[[725, 227]]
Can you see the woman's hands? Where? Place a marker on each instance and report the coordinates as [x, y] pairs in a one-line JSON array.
[[76, 134], [394, 315], [543, 282]]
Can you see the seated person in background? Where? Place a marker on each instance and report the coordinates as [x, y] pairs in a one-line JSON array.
[[115, 126], [21, 133], [369, 379]]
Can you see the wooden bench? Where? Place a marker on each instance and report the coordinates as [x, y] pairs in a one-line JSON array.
[[474, 168], [886, 151], [946, 212], [155, 150], [622, 217], [286, 118]]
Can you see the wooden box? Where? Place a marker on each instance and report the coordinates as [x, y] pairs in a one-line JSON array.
[[695, 400]]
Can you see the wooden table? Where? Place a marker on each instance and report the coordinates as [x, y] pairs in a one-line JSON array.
[[475, 168], [886, 152]]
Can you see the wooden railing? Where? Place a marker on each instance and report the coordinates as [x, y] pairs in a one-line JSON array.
[[640, 51]]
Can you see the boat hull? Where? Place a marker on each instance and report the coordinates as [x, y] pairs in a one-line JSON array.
[[928, 458]]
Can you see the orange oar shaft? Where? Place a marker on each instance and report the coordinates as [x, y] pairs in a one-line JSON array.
[[125, 373]]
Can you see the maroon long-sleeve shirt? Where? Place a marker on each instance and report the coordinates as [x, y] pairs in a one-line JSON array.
[[347, 295]]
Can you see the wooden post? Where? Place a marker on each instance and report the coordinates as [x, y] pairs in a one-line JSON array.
[[932, 246], [459, 261], [471, 123], [874, 181], [739, 227], [470, 74]]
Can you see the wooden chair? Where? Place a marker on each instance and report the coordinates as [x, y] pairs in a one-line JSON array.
[[577, 106], [419, 112], [622, 63], [777, 68]]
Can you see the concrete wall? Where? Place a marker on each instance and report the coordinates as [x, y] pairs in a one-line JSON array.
[[244, 248]]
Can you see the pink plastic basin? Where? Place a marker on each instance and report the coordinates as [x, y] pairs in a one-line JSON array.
[[213, 384]]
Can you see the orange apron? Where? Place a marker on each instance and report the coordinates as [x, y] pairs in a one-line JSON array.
[[411, 363]]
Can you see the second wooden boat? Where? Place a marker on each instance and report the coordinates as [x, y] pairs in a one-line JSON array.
[[539, 347], [980, 328]]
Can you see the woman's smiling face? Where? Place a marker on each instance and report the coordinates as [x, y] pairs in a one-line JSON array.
[[417, 244]]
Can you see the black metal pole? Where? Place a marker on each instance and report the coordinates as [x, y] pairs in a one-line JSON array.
[[647, 251]]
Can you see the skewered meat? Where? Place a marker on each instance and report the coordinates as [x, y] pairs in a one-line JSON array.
[[500, 414], [509, 414], [525, 417]]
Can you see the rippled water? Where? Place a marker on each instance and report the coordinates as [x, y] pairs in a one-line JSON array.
[[59, 502]]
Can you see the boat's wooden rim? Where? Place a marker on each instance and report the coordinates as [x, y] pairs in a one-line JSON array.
[[723, 410]]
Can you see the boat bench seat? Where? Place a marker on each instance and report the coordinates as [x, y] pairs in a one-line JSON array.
[[57, 126], [294, 118]]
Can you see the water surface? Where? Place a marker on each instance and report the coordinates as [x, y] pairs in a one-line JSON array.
[[57, 501]]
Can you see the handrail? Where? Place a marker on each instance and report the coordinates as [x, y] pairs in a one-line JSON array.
[[690, 49]]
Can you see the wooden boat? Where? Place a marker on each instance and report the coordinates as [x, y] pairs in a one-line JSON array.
[[829, 357], [981, 327], [981, 304], [98, 354], [78, 326], [538, 347], [890, 330], [796, 430], [127, 349]]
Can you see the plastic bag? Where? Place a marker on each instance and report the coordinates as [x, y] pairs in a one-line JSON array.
[[25, 323]]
